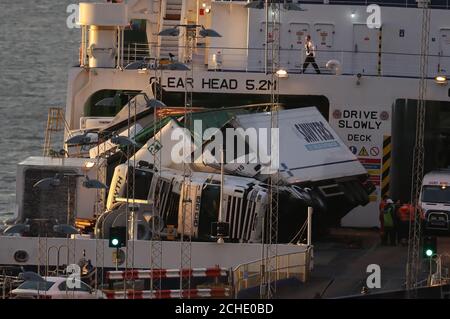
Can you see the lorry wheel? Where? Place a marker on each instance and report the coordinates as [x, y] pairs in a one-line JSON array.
[[360, 193], [317, 200], [349, 194], [363, 194]]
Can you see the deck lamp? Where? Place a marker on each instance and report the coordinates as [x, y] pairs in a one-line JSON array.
[[282, 73], [66, 229], [172, 32], [88, 165], [255, 5], [290, 6], [209, 33], [79, 139], [441, 79], [52, 182], [175, 31], [16, 229]]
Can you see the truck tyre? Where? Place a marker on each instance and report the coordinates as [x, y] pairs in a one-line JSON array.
[[363, 194], [317, 200], [360, 193], [349, 193]]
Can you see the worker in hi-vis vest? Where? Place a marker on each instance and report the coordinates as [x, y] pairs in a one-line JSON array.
[[387, 219], [405, 214]]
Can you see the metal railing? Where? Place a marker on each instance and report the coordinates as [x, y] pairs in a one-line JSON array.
[[370, 63], [138, 52], [442, 4], [294, 265]]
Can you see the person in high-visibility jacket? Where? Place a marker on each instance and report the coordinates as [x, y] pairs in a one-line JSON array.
[[388, 218], [405, 214]]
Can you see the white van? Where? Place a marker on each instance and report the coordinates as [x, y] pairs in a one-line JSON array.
[[435, 199]]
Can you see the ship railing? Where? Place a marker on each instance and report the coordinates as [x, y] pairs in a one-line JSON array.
[[205, 283], [296, 266], [134, 52], [444, 4], [234, 59], [7, 284]]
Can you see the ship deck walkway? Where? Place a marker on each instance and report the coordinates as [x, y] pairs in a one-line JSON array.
[[340, 265]]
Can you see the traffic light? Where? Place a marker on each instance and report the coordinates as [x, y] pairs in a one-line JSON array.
[[429, 248], [117, 237]]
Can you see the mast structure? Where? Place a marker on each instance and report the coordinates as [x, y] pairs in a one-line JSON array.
[[187, 218], [156, 247], [270, 240], [414, 262]]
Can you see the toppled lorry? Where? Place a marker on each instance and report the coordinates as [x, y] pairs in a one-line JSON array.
[[170, 172], [313, 167]]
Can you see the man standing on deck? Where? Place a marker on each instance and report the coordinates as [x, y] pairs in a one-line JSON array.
[[388, 227], [310, 51], [381, 210], [405, 215]]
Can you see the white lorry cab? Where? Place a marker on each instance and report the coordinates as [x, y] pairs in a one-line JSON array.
[[435, 199]]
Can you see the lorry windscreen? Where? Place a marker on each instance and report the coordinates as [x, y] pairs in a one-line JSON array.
[[435, 194]]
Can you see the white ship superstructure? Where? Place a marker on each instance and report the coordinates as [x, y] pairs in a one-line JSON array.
[[367, 90], [377, 69]]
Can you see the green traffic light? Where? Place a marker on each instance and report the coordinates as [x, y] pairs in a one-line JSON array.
[[429, 252], [117, 237]]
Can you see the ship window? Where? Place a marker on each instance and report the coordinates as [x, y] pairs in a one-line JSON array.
[[209, 210], [136, 32], [37, 285], [172, 212], [163, 188], [82, 286], [142, 180], [91, 109]]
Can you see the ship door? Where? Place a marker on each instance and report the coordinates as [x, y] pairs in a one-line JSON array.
[[258, 55], [297, 36], [365, 49], [323, 39], [444, 49]]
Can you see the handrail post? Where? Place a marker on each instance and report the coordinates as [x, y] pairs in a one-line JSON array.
[[128, 54], [310, 212]]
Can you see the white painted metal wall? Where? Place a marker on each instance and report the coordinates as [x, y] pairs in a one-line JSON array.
[[203, 254], [333, 30]]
